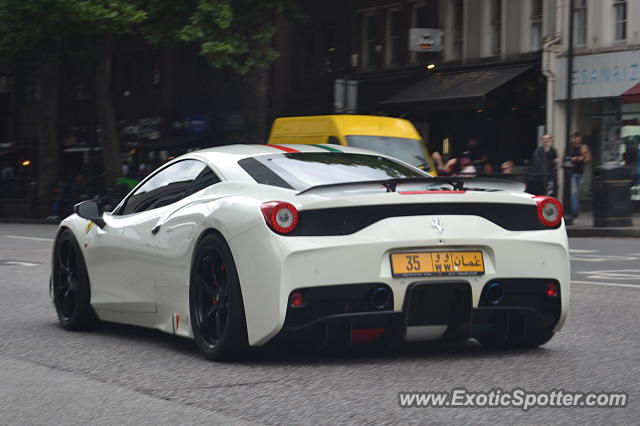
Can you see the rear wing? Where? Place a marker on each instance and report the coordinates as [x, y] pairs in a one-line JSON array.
[[456, 183]]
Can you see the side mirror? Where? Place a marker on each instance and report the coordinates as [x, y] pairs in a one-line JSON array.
[[90, 210]]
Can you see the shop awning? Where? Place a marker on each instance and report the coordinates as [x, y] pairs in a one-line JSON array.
[[467, 86], [631, 96]]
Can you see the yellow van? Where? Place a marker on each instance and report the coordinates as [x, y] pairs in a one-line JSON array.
[[391, 136]]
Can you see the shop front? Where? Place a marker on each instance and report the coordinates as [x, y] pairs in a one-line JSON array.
[[500, 106], [606, 99], [631, 137]]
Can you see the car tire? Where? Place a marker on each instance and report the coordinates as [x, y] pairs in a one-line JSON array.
[[69, 284], [215, 301], [528, 342]]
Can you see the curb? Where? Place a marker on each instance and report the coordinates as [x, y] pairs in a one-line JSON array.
[[603, 232], [31, 220]]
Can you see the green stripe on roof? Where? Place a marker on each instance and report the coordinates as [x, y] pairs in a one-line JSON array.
[[328, 148]]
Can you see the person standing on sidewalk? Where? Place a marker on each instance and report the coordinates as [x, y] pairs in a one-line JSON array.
[[578, 155], [544, 166]]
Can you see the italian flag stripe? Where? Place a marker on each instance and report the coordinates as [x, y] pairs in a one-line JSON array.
[[328, 148], [284, 148]]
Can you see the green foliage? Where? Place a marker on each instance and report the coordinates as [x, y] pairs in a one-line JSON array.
[[35, 27], [233, 33]]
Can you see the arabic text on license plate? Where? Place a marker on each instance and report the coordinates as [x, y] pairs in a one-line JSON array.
[[438, 263]]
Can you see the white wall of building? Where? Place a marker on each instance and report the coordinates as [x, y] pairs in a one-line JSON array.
[[515, 28]]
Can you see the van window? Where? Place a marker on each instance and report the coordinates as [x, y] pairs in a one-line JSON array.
[[408, 150], [333, 140]]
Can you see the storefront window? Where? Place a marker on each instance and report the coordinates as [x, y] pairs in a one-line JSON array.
[[631, 144]]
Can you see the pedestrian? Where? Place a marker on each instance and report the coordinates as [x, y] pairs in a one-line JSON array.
[[544, 166], [476, 153], [577, 156], [58, 199], [507, 167], [465, 165]]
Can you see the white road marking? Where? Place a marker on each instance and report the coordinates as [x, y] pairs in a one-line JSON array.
[[615, 274], [601, 258], [606, 284], [17, 262], [583, 251], [21, 237]]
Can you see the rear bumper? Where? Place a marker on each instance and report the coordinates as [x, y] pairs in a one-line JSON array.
[[276, 265], [431, 311]]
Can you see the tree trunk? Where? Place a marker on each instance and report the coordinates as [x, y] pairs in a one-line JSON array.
[[108, 128], [168, 79], [256, 105], [48, 121]]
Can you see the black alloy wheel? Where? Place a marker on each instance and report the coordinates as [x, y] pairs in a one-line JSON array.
[[212, 297], [215, 299], [70, 284]]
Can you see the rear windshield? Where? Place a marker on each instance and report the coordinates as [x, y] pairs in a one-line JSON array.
[[408, 150], [300, 171]]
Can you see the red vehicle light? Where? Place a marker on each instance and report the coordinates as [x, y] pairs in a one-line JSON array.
[[297, 300], [549, 210], [366, 334], [552, 290], [280, 216]]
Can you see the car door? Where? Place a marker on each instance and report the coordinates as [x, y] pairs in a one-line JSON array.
[[173, 242], [122, 273]]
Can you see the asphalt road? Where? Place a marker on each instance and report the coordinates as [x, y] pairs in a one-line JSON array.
[[128, 375]]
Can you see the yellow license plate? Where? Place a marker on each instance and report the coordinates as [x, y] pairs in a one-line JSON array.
[[437, 263]]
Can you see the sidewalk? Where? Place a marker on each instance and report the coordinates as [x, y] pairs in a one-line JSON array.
[[582, 226]]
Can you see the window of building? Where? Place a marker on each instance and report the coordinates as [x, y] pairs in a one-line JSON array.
[[368, 39], [496, 26], [329, 48], [418, 20], [620, 16], [424, 14], [536, 24], [580, 23], [458, 22], [393, 37]]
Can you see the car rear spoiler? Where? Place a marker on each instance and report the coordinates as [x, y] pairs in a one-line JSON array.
[[458, 183]]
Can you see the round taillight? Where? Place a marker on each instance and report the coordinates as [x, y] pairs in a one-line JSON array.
[[552, 290], [280, 216], [549, 210]]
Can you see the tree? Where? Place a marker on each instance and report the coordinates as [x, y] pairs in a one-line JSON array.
[[47, 34], [51, 33], [230, 33]]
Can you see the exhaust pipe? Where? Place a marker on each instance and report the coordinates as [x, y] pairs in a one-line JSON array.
[[380, 298], [494, 293]]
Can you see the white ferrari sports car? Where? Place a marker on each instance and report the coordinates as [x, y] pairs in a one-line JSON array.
[[237, 246]]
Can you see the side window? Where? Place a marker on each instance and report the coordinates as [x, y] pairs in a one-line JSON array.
[[333, 140], [205, 179], [164, 188]]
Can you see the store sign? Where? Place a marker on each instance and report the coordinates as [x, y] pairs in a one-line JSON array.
[[602, 75], [425, 40]]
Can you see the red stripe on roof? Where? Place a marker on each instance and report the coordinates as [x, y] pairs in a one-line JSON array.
[[431, 192], [284, 148]]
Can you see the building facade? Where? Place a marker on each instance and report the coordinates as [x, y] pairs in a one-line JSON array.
[[606, 71], [478, 76]]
